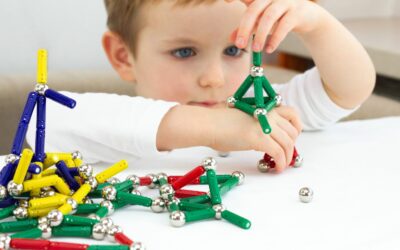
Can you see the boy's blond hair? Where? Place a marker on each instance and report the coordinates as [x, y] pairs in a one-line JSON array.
[[123, 17]]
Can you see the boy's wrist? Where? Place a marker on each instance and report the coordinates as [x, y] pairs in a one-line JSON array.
[[317, 21], [185, 126]]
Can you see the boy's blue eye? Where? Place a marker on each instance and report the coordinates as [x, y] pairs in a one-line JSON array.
[[183, 52], [232, 51]]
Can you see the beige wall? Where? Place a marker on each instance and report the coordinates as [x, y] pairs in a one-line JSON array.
[[345, 9], [397, 9], [70, 30]]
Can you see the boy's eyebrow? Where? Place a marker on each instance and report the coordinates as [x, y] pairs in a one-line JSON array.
[[180, 40]]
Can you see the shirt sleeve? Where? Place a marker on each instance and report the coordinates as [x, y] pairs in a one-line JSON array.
[[104, 127], [306, 93]]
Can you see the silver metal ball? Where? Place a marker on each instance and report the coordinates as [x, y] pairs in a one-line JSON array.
[[279, 100], [109, 193], [218, 208], [20, 213], [298, 161], [259, 111], [94, 217], [46, 230], [263, 166], [42, 194], [256, 71], [306, 195], [137, 246], [5, 241], [107, 221], [45, 189], [223, 154], [111, 231], [209, 163], [41, 88], [11, 158], [231, 101], [43, 220], [135, 179], [74, 205], [154, 180], [167, 191], [49, 193], [87, 200], [174, 200], [77, 155], [108, 205], [177, 218], [3, 192], [113, 180], [92, 182], [158, 205], [85, 171], [99, 231], [240, 176], [23, 203], [162, 176], [14, 189], [55, 217], [136, 192]]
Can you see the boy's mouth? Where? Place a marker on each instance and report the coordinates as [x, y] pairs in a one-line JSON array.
[[208, 104]]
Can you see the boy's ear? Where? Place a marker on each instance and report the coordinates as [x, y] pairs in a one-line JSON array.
[[119, 55]]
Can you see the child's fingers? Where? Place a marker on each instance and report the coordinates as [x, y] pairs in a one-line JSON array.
[[285, 142], [249, 20], [285, 25], [291, 115], [273, 149], [270, 16], [233, 36], [288, 128]]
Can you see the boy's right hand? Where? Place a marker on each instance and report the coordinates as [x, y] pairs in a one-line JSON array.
[[226, 129], [234, 130]]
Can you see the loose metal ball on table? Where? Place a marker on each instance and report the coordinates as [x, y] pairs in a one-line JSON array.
[[306, 195]]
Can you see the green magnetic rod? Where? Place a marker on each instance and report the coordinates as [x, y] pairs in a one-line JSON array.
[[257, 106]]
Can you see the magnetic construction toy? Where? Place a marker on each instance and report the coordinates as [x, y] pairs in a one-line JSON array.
[[52, 194], [259, 105]]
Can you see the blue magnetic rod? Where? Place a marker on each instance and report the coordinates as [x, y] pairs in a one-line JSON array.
[[72, 183], [7, 173], [40, 129], [60, 98], [23, 123]]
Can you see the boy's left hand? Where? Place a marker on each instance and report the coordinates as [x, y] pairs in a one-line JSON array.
[[275, 18]]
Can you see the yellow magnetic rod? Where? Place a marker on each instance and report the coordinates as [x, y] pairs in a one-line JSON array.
[[42, 66]]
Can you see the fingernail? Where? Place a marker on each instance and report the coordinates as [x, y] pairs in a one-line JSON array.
[[256, 47], [270, 49], [240, 41]]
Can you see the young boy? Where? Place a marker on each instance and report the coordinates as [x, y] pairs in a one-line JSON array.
[[184, 58]]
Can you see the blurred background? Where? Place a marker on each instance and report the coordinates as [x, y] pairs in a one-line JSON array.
[[71, 31]]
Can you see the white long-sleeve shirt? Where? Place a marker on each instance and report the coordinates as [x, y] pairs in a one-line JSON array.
[[110, 127]]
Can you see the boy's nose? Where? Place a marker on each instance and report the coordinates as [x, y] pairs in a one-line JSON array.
[[213, 76]]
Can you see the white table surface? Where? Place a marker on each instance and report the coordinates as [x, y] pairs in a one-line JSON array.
[[353, 168]]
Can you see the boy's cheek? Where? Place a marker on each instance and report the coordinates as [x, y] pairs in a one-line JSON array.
[[174, 93]]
